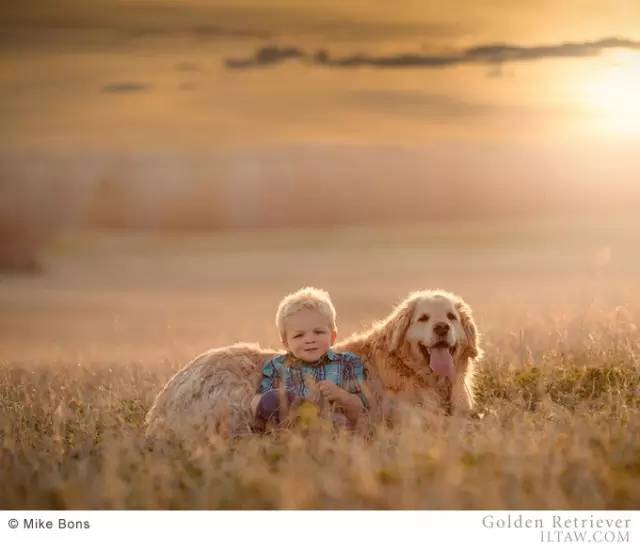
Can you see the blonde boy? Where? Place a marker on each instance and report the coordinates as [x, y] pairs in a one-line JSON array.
[[306, 321]]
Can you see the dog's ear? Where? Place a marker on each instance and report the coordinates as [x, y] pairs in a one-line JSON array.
[[398, 323], [471, 331]]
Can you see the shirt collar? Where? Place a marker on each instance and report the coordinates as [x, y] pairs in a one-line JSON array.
[[329, 355]]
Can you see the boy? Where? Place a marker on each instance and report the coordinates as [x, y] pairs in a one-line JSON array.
[[306, 321]]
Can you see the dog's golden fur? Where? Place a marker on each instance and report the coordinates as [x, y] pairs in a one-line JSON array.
[[213, 392]]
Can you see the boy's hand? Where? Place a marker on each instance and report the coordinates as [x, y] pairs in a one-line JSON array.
[[331, 391]]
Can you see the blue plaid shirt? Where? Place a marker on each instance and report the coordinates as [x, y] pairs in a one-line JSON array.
[[344, 369]]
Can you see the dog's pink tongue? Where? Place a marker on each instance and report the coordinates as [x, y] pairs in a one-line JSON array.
[[442, 362]]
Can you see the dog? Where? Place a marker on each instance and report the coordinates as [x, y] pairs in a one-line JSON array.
[[422, 354]]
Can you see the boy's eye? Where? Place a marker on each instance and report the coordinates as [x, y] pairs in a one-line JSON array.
[[319, 332], [297, 335]]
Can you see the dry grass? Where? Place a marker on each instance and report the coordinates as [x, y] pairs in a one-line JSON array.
[[86, 347]]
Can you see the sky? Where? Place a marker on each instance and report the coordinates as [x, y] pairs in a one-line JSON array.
[[199, 77]]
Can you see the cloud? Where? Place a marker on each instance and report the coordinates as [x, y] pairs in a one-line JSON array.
[[488, 54], [125, 87], [270, 55], [501, 53], [73, 24]]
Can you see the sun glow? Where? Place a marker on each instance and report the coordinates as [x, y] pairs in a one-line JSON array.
[[613, 97]]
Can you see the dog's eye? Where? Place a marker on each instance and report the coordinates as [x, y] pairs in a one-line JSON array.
[[452, 316], [423, 317]]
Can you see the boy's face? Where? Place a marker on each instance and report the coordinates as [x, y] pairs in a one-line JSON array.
[[308, 335]]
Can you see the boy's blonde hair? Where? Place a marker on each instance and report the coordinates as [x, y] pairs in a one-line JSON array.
[[309, 298]]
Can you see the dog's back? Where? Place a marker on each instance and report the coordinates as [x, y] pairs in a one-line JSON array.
[[211, 393]]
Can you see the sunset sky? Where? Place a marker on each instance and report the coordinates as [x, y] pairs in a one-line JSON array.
[[544, 77]]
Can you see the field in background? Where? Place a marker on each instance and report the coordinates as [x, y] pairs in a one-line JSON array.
[[86, 345]]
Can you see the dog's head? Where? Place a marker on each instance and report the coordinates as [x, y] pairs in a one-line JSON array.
[[433, 330]]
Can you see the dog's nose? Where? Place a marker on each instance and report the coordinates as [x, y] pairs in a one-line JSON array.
[[441, 329]]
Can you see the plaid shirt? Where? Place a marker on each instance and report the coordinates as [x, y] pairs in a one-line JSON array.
[[344, 369]]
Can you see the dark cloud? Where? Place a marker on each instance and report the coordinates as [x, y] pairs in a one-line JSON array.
[[125, 87], [270, 55], [74, 24], [492, 54], [500, 53], [98, 24], [323, 57]]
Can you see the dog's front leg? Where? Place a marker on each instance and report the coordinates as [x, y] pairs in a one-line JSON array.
[[461, 396]]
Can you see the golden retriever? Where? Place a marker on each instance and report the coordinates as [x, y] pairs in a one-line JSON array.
[[422, 354]]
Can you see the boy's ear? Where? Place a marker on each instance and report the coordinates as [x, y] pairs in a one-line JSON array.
[[334, 335]]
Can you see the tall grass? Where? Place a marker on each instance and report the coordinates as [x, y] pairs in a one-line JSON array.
[[559, 429], [85, 348]]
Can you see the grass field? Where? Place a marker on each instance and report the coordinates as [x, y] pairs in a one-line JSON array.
[[85, 346]]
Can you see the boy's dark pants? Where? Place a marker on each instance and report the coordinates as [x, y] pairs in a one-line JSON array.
[[269, 407]]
